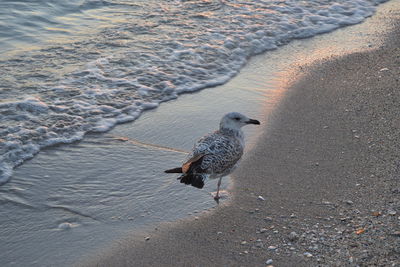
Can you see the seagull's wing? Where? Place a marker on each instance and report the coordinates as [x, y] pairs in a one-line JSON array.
[[192, 160], [218, 152]]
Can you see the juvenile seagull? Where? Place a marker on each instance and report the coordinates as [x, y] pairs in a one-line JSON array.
[[215, 155]]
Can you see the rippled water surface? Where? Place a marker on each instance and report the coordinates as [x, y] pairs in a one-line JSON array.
[[84, 66]]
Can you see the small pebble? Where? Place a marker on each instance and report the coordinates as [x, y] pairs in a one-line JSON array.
[[270, 261], [392, 212], [376, 213], [349, 202], [261, 198], [147, 238], [272, 248], [268, 219], [65, 226], [259, 243], [293, 236], [307, 254], [263, 230], [243, 243]]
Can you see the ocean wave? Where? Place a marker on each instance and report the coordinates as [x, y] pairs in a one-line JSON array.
[[52, 96]]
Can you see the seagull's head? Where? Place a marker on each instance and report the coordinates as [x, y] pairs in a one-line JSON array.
[[235, 121]]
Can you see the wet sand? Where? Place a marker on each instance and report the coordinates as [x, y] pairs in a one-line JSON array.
[[327, 168]]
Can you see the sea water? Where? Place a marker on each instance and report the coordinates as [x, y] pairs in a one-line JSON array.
[[69, 70]]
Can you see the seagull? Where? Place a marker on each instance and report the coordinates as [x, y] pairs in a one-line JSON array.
[[215, 155]]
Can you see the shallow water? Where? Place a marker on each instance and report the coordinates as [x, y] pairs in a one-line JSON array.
[[91, 192]]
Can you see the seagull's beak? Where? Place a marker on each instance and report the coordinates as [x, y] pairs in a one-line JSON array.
[[250, 121]]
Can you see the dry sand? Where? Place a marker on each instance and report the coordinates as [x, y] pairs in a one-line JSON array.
[[328, 168]]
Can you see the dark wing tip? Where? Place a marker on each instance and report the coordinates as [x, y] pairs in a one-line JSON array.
[[175, 170]]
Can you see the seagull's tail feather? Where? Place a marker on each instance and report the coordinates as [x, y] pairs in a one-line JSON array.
[[192, 172], [194, 179], [174, 170]]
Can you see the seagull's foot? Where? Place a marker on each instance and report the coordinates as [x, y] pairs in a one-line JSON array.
[[222, 195]]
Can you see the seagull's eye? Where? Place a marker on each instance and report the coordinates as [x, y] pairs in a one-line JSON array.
[[237, 119]]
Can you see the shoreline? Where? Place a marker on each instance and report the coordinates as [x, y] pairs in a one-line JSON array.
[[95, 192], [326, 178]]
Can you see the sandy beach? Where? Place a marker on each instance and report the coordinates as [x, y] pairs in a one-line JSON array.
[[327, 170]]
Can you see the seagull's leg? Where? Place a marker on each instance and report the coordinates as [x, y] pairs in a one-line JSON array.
[[219, 184]]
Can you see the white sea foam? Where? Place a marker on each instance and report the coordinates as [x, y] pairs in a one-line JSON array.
[[181, 47]]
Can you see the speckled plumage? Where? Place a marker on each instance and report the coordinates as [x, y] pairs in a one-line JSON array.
[[221, 149]]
